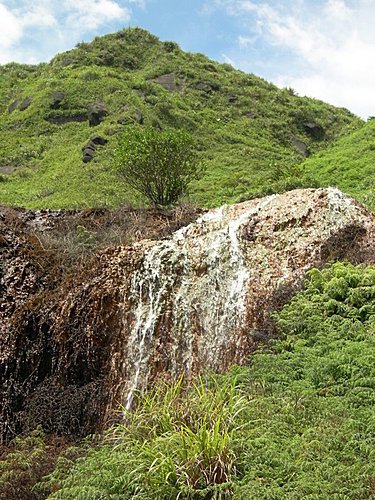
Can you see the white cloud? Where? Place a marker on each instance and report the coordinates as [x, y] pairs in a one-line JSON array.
[[10, 28], [331, 44], [50, 26], [89, 14]]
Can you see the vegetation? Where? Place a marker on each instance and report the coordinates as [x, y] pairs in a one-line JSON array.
[[159, 165], [244, 127], [349, 163], [297, 422], [25, 461]]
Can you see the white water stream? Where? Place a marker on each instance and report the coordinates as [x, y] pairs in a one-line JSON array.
[[198, 279]]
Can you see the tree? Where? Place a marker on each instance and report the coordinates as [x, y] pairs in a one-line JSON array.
[[160, 165]]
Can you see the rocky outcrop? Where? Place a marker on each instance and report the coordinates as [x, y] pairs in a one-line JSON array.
[[88, 151], [57, 98], [96, 113], [198, 300], [314, 130], [170, 82], [25, 103]]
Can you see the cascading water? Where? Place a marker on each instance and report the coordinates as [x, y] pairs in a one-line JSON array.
[[197, 301], [192, 288]]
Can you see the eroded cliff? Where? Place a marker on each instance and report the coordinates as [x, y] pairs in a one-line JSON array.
[[197, 300]]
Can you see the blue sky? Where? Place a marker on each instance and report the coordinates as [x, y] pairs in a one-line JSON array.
[[321, 48]]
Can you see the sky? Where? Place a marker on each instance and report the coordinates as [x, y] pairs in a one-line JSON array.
[[320, 48]]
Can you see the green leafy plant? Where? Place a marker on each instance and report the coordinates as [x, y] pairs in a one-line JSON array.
[[160, 165], [23, 463]]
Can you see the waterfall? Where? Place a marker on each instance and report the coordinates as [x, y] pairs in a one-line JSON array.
[[192, 288]]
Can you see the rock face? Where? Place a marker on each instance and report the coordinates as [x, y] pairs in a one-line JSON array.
[[170, 82], [315, 130], [57, 97], [25, 103], [88, 151], [198, 300], [96, 113]]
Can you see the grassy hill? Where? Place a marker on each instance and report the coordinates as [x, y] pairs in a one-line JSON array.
[[349, 163], [246, 129]]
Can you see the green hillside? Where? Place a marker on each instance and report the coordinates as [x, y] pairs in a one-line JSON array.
[[245, 128], [348, 164]]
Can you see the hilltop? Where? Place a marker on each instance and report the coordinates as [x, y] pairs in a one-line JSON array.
[[248, 131]]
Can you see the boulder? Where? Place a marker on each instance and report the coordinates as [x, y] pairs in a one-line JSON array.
[[88, 156], [25, 103], [98, 140], [314, 130], [14, 105], [88, 151], [204, 87], [57, 98], [300, 146], [170, 82], [96, 113]]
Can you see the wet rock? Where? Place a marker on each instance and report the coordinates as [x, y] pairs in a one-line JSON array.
[[313, 129], [152, 308], [25, 103], [14, 105], [57, 98], [96, 113]]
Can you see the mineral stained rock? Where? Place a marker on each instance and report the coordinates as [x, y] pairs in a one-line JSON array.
[[198, 300]]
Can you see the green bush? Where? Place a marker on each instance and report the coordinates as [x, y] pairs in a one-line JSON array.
[[160, 165]]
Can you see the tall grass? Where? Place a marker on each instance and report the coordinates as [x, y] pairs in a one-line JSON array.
[[177, 443]]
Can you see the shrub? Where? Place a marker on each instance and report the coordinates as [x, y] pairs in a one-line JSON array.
[[160, 165]]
